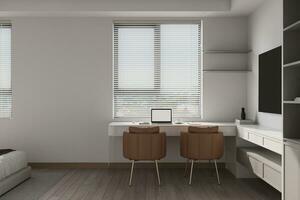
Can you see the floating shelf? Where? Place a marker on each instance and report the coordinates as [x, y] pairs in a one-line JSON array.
[[291, 47], [226, 51], [291, 84], [293, 27], [292, 140], [226, 70], [291, 13], [292, 102], [292, 64], [291, 116]]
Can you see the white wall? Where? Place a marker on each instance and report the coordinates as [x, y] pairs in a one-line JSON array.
[[265, 27], [62, 87], [224, 93]]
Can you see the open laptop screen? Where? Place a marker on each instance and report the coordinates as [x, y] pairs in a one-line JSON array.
[[161, 115]]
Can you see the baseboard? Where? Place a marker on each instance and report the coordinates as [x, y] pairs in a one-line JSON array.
[[105, 165], [68, 165]]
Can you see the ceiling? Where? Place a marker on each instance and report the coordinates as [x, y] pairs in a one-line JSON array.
[[245, 7], [129, 8]]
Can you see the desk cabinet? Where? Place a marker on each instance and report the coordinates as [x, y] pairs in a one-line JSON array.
[[263, 163], [256, 139], [256, 166], [268, 139], [292, 171]]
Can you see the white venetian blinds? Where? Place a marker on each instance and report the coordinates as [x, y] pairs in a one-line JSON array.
[[5, 71], [157, 66]]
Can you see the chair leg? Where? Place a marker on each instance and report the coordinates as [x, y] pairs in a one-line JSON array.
[[191, 173], [157, 172], [186, 167], [211, 167], [131, 172], [217, 172]]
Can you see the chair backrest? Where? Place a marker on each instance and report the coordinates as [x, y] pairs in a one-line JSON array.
[[203, 129], [144, 143], [144, 129], [202, 143]]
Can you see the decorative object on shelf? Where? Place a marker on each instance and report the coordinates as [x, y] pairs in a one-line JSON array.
[[243, 114], [297, 99]]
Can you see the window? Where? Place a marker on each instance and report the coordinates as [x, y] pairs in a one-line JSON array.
[[157, 66], [5, 71]]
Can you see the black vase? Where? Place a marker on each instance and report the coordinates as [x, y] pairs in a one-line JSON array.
[[243, 114]]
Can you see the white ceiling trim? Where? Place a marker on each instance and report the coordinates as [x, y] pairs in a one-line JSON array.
[[116, 14]]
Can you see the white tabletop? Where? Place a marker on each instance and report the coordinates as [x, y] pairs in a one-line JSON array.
[[171, 129], [173, 124]]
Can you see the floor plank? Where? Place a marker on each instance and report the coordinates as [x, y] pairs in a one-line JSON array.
[[112, 184]]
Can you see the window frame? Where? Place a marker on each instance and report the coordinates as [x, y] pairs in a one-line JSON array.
[[157, 65], [8, 91], [156, 28]]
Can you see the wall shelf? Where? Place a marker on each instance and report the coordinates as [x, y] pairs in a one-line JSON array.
[[291, 116], [291, 47], [226, 51], [292, 140], [293, 27], [226, 70], [292, 64], [291, 102], [291, 68], [291, 83], [291, 14], [291, 90]]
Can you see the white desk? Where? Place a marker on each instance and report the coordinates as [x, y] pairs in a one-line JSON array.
[[264, 160], [229, 130], [172, 129]]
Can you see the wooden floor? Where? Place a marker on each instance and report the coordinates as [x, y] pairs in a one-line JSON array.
[[104, 184]]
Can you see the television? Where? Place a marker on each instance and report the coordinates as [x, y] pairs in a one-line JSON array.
[[270, 81]]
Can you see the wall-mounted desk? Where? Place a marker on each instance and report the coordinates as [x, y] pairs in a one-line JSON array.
[[116, 129], [266, 159], [172, 129]]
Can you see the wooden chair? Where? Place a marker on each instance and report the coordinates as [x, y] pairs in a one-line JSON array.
[[143, 144], [202, 143]]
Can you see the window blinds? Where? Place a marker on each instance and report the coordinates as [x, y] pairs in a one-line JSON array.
[[5, 71], [157, 66]]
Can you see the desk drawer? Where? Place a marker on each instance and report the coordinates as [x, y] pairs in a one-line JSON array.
[[256, 139], [257, 166], [272, 176], [273, 145], [242, 133]]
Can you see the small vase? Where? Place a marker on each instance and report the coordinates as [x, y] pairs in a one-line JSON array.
[[243, 114]]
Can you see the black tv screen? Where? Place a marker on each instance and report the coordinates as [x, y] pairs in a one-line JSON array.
[[270, 81]]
